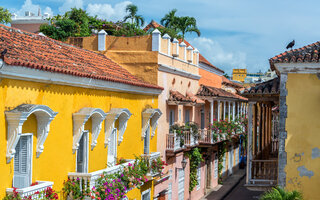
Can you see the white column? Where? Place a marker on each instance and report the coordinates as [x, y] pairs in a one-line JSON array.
[[249, 146], [224, 110], [211, 114], [238, 108], [233, 110], [229, 114], [218, 110], [241, 108], [156, 40]]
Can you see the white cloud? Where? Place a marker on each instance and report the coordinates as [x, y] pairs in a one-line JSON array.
[[34, 8], [106, 11], [218, 56], [68, 4]]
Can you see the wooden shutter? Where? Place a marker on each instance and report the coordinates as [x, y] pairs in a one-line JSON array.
[[112, 148], [82, 154], [22, 162], [146, 196], [199, 177], [170, 191], [147, 141]]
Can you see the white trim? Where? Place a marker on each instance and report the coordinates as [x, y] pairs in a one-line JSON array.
[[86, 169], [18, 116], [79, 120], [35, 75], [209, 69], [150, 116], [123, 114], [176, 71], [145, 192], [300, 68], [176, 58]]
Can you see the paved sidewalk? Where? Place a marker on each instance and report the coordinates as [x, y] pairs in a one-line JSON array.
[[240, 192], [220, 192]]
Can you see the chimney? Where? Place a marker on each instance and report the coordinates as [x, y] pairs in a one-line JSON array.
[[102, 40], [156, 40]]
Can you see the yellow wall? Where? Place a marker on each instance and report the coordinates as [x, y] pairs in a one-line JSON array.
[[57, 158], [143, 64], [239, 74], [303, 136]]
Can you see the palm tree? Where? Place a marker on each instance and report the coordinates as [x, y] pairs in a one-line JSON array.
[[187, 25], [170, 19], [278, 193], [137, 19]]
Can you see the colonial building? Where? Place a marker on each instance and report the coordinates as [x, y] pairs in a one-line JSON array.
[[283, 124], [70, 113]]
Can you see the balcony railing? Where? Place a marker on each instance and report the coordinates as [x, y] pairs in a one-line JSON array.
[[35, 191], [175, 142], [151, 157], [264, 172], [89, 179]]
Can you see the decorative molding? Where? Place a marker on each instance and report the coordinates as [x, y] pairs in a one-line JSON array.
[[35, 75], [79, 120], [150, 115], [18, 116], [176, 43], [180, 72], [123, 114]]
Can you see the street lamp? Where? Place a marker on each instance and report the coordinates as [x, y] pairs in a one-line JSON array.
[[184, 163]]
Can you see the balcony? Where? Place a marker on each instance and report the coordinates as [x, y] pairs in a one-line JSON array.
[[32, 191], [205, 137], [89, 179], [151, 157]]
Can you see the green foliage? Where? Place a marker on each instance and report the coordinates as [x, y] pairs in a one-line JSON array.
[[222, 149], [195, 158], [183, 25], [157, 166], [136, 19], [5, 16], [129, 30], [60, 30], [47, 194], [75, 190], [187, 127], [279, 193]]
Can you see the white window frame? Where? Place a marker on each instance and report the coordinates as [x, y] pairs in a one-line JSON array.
[[30, 154], [86, 132], [115, 148], [146, 192]]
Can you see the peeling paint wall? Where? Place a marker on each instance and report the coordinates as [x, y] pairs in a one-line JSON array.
[[303, 135]]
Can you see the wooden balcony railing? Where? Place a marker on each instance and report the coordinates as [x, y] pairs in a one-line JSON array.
[[264, 172], [205, 136]]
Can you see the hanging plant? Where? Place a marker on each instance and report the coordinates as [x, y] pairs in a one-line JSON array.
[[195, 158]]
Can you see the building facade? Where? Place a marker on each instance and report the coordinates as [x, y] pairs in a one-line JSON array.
[[77, 113]]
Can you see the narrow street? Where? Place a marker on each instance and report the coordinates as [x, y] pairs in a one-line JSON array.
[[240, 192]]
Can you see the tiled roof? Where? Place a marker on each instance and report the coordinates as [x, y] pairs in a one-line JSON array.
[[152, 24], [309, 53], [209, 91], [205, 61], [42, 53], [178, 98], [226, 81], [194, 98], [268, 87]]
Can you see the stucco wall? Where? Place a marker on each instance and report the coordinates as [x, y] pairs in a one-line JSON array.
[[143, 64], [178, 64], [303, 139], [137, 43], [57, 158]]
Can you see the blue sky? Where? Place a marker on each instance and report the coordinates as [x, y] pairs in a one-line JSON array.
[[234, 34]]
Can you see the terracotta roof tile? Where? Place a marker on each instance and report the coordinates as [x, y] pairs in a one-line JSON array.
[[226, 81], [209, 91], [39, 52], [205, 61], [268, 87], [153, 24], [176, 96], [309, 53]]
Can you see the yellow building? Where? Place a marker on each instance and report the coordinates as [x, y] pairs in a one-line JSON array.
[[284, 114], [239, 74], [67, 112]]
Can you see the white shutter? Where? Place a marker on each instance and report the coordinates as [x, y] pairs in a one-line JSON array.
[[112, 148], [181, 184], [147, 141], [146, 195], [22, 162], [199, 177], [170, 192], [82, 153]]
